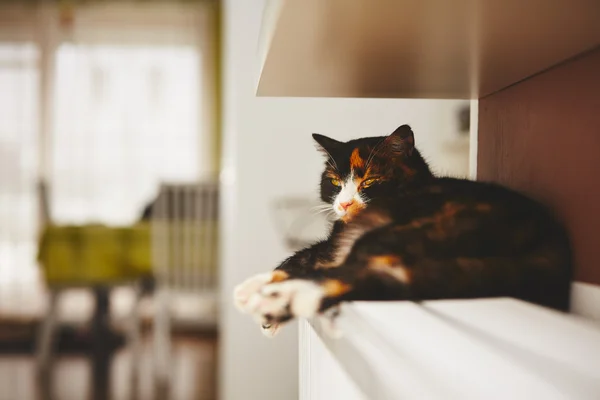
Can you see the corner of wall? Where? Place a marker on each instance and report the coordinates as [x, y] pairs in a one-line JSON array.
[[474, 115]]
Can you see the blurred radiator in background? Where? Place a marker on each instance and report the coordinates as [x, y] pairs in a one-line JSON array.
[[184, 223], [184, 245]]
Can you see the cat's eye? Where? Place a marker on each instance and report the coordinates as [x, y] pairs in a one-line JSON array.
[[368, 182], [335, 182]]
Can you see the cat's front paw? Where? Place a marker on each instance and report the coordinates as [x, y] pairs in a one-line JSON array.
[[245, 290], [277, 302]]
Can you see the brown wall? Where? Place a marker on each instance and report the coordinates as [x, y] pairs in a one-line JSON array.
[[542, 137]]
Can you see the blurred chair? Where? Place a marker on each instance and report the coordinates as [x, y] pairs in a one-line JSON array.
[[176, 243], [184, 258], [90, 256]]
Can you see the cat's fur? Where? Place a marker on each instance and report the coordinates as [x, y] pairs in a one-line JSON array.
[[412, 236]]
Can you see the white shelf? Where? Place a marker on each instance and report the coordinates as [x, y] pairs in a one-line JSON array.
[[417, 48], [463, 349]]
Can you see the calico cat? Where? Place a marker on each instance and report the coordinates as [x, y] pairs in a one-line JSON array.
[[404, 234]]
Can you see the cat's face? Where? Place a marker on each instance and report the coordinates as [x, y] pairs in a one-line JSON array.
[[364, 169]]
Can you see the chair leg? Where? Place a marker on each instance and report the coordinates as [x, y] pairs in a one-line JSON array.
[[102, 350], [162, 343], [134, 339], [45, 341]]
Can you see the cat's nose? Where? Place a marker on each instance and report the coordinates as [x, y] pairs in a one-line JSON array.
[[346, 204]]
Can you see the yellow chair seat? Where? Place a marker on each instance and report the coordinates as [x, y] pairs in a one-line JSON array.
[[98, 255], [95, 254]]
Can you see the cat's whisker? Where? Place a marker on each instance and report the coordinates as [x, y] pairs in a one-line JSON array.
[[331, 165], [370, 156], [323, 211], [319, 211], [320, 207], [332, 159], [373, 153]]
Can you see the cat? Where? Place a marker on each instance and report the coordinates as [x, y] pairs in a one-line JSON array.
[[403, 234]]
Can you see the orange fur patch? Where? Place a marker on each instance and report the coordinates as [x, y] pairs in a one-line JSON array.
[[384, 261], [279, 276], [390, 265], [356, 161], [335, 288]]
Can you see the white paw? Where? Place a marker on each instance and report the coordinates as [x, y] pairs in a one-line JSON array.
[[245, 290], [328, 322], [284, 300]]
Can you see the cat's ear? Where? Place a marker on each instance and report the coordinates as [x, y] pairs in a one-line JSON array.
[[327, 145], [401, 141]]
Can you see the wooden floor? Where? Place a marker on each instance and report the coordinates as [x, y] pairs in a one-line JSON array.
[[193, 369]]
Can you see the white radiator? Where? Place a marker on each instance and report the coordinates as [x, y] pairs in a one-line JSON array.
[[460, 349]]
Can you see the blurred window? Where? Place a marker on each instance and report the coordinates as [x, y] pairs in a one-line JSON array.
[[103, 102], [125, 119], [19, 100]]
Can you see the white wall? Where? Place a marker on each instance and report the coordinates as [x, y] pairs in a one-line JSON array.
[[268, 153]]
